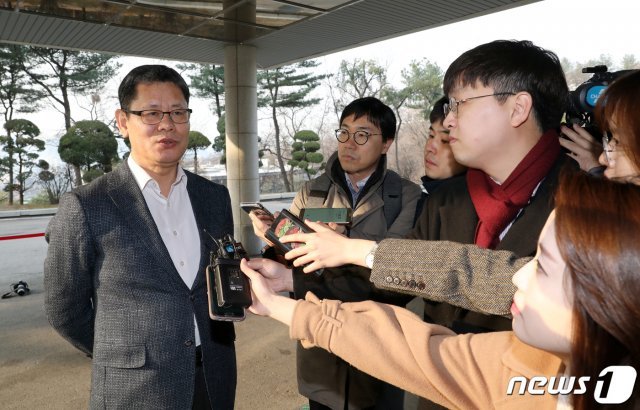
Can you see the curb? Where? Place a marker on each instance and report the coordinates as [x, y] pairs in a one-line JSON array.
[[19, 213]]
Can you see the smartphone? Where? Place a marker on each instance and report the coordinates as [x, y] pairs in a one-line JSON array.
[[255, 206], [337, 215], [286, 224], [216, 312]]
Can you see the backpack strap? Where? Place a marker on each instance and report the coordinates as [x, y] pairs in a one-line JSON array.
[[319, 189], [392, 197]]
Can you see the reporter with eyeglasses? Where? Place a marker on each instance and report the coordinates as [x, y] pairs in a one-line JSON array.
[[383, 205], [124, 274], [461, 274]]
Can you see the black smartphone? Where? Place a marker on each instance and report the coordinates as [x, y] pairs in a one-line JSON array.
[[216, 312], [340, 216], [286, 224], [255, 206]]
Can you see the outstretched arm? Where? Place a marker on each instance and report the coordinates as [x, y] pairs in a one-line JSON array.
[[463, 275], [460, 274], [326, 248], [396, 346]]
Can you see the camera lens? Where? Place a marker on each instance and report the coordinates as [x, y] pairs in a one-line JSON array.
[[20, 289]]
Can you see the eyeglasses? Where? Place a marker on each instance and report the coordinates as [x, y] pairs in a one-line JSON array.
[[360, 137], [152, 117], [608, 146], [452, 106]]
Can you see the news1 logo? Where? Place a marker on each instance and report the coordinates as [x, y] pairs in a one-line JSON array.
[[614, 385]]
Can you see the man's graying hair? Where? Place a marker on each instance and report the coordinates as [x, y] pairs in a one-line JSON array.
[[149, 74], [510, 66]]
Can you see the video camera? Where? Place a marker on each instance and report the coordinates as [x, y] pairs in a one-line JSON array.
[[583, 99]]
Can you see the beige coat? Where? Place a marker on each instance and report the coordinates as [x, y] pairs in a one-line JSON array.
[[469, 371]]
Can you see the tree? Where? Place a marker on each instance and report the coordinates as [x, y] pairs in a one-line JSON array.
[[287, 87], [304, 152], [61, 72], [220, 141], [423, 83], [56, 181], [91, 146], [16, 95], [208, 82], [629, 62], [396, 99], [197, 141], [24, 150], [357, 79], [422, 88]]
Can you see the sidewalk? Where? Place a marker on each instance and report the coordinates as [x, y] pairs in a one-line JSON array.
[[40, 370]]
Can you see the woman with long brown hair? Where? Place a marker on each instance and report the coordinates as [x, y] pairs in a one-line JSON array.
[[575, 313]]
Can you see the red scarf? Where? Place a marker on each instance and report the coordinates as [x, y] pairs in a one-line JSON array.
[[497, 205]]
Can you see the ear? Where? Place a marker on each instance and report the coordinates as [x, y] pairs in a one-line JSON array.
[[123, 123], [521, 108], [386, 145]]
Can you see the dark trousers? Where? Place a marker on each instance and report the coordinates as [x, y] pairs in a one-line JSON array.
[[200, 396]]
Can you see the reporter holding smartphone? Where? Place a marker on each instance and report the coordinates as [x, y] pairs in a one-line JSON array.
[[383, 205]]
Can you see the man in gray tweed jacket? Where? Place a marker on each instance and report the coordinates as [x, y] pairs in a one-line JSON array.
[[124, 273]]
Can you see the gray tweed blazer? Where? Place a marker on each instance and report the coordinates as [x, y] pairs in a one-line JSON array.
[[459, 273], [113, 292]]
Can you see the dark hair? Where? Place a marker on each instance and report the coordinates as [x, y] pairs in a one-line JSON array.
[[149, 74], [597, 224], [437, 112], [510, 66], [620, 104], [377, 113]]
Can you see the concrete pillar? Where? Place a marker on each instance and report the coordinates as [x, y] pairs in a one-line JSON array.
[[241, 122]]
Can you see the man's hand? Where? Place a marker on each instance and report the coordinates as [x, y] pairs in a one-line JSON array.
[[278, 277], [582, 146], [325, 248]]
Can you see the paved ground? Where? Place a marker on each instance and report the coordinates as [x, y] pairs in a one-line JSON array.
[[39, 370]]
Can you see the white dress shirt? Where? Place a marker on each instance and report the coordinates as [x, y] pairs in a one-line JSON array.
[[176, 223]]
